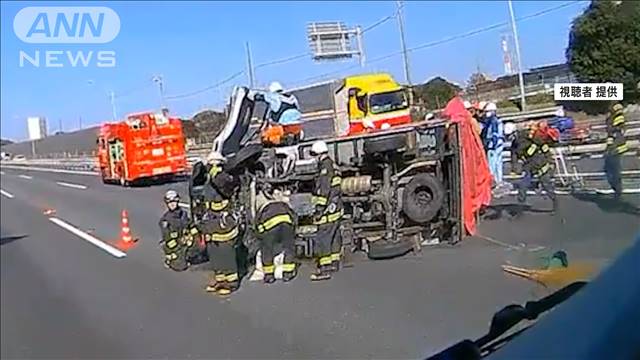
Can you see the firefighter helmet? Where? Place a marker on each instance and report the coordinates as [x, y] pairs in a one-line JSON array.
[[319, 147], [275, 87], [215, 157], [171, 196]]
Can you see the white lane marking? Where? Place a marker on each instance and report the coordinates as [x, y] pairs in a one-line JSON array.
[[7, 194], [1, 172], [74, 186], [597, 191], [25, 176], [93, 240], [74, 172]]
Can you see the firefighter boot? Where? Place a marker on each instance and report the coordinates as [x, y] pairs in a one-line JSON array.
[[228, 288], [323, 273], [269, 278], [335, 262], [215, 283]]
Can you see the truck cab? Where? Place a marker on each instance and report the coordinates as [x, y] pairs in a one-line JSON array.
[[370, 102]]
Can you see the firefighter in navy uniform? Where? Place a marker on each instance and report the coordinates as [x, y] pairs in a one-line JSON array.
[[532, 147], [221, 232], [275, 229], [616, 146], [327, 199], [176, 237], [220, 228]]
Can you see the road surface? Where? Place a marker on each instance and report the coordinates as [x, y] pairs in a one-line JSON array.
[[65, 296]]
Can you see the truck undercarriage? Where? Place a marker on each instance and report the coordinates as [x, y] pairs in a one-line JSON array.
[[401, 186]]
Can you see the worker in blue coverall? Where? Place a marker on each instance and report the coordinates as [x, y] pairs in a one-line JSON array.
[[283, 110], [493, 140]]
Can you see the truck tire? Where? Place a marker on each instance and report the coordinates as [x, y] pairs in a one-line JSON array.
[[384, 144], [422, 198]]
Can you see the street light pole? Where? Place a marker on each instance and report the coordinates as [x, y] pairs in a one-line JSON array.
[[250, 67], [112, 97], [517, 43], [403, 43], [158, 80]]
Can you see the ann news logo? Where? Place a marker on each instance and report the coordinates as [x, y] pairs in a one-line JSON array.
[[66, 25]]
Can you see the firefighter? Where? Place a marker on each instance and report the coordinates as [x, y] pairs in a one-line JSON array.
[[327, 199], [532, 148], [616, 146], [283, 115], [493, 140], [221, 231], [220, 227], [174, 226], [275, 229]]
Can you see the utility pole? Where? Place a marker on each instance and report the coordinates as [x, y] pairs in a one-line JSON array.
[[523, 99], [60, 124], [250, 73], [80, 122], [112, 96], [405, 55]]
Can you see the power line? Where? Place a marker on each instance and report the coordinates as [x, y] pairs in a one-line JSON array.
[[448, 39], [282, 61], [196, 92]]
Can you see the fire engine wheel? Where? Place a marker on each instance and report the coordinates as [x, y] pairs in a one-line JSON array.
[[124, 182], [422, 198], [384, 144]]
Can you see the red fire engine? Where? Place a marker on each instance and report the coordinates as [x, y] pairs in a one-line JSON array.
[[145, 145]]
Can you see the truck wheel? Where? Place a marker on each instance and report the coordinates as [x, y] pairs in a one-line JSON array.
[[384, 144], [422, 198], [380, 250]]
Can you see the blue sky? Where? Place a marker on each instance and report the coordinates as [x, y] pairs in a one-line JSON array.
[[196, 44]]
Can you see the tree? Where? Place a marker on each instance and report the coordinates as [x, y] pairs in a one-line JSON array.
[[435, 93], [604, 45], [476, 79]]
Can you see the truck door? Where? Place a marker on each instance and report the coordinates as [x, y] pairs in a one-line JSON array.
[[341, 101], [116, 158]]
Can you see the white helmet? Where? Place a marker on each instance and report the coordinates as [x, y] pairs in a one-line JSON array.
[[467, 104], [171, 196], [482, 105], [491, 107], [215, 157], [509, 128], [319, 147], [275, 87]]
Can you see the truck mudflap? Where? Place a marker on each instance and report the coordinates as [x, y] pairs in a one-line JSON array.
[[379, 250]]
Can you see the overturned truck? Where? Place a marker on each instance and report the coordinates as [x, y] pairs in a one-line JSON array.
[[401, 186]]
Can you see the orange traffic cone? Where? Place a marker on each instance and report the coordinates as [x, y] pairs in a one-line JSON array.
[[125, 233]]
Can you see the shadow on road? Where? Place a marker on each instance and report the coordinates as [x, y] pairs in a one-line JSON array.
[[496, 212], [608, 204], [9, 239]]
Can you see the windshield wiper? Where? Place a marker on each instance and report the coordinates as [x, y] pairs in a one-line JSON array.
[[502, 322]]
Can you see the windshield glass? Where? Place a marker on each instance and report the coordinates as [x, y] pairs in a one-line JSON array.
[[389, 101]]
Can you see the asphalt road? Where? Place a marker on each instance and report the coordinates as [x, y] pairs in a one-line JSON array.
[[63, 297]]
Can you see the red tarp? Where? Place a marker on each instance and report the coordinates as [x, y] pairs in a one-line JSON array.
[[476, 177]]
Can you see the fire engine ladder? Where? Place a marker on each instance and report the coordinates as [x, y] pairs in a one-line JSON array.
[[568, 178]]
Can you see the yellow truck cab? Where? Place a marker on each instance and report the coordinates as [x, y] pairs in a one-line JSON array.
[[373, 102]]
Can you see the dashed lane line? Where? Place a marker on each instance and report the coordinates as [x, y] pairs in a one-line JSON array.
[[7, 194], [70, 185], [25, 176], [91, 239]]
